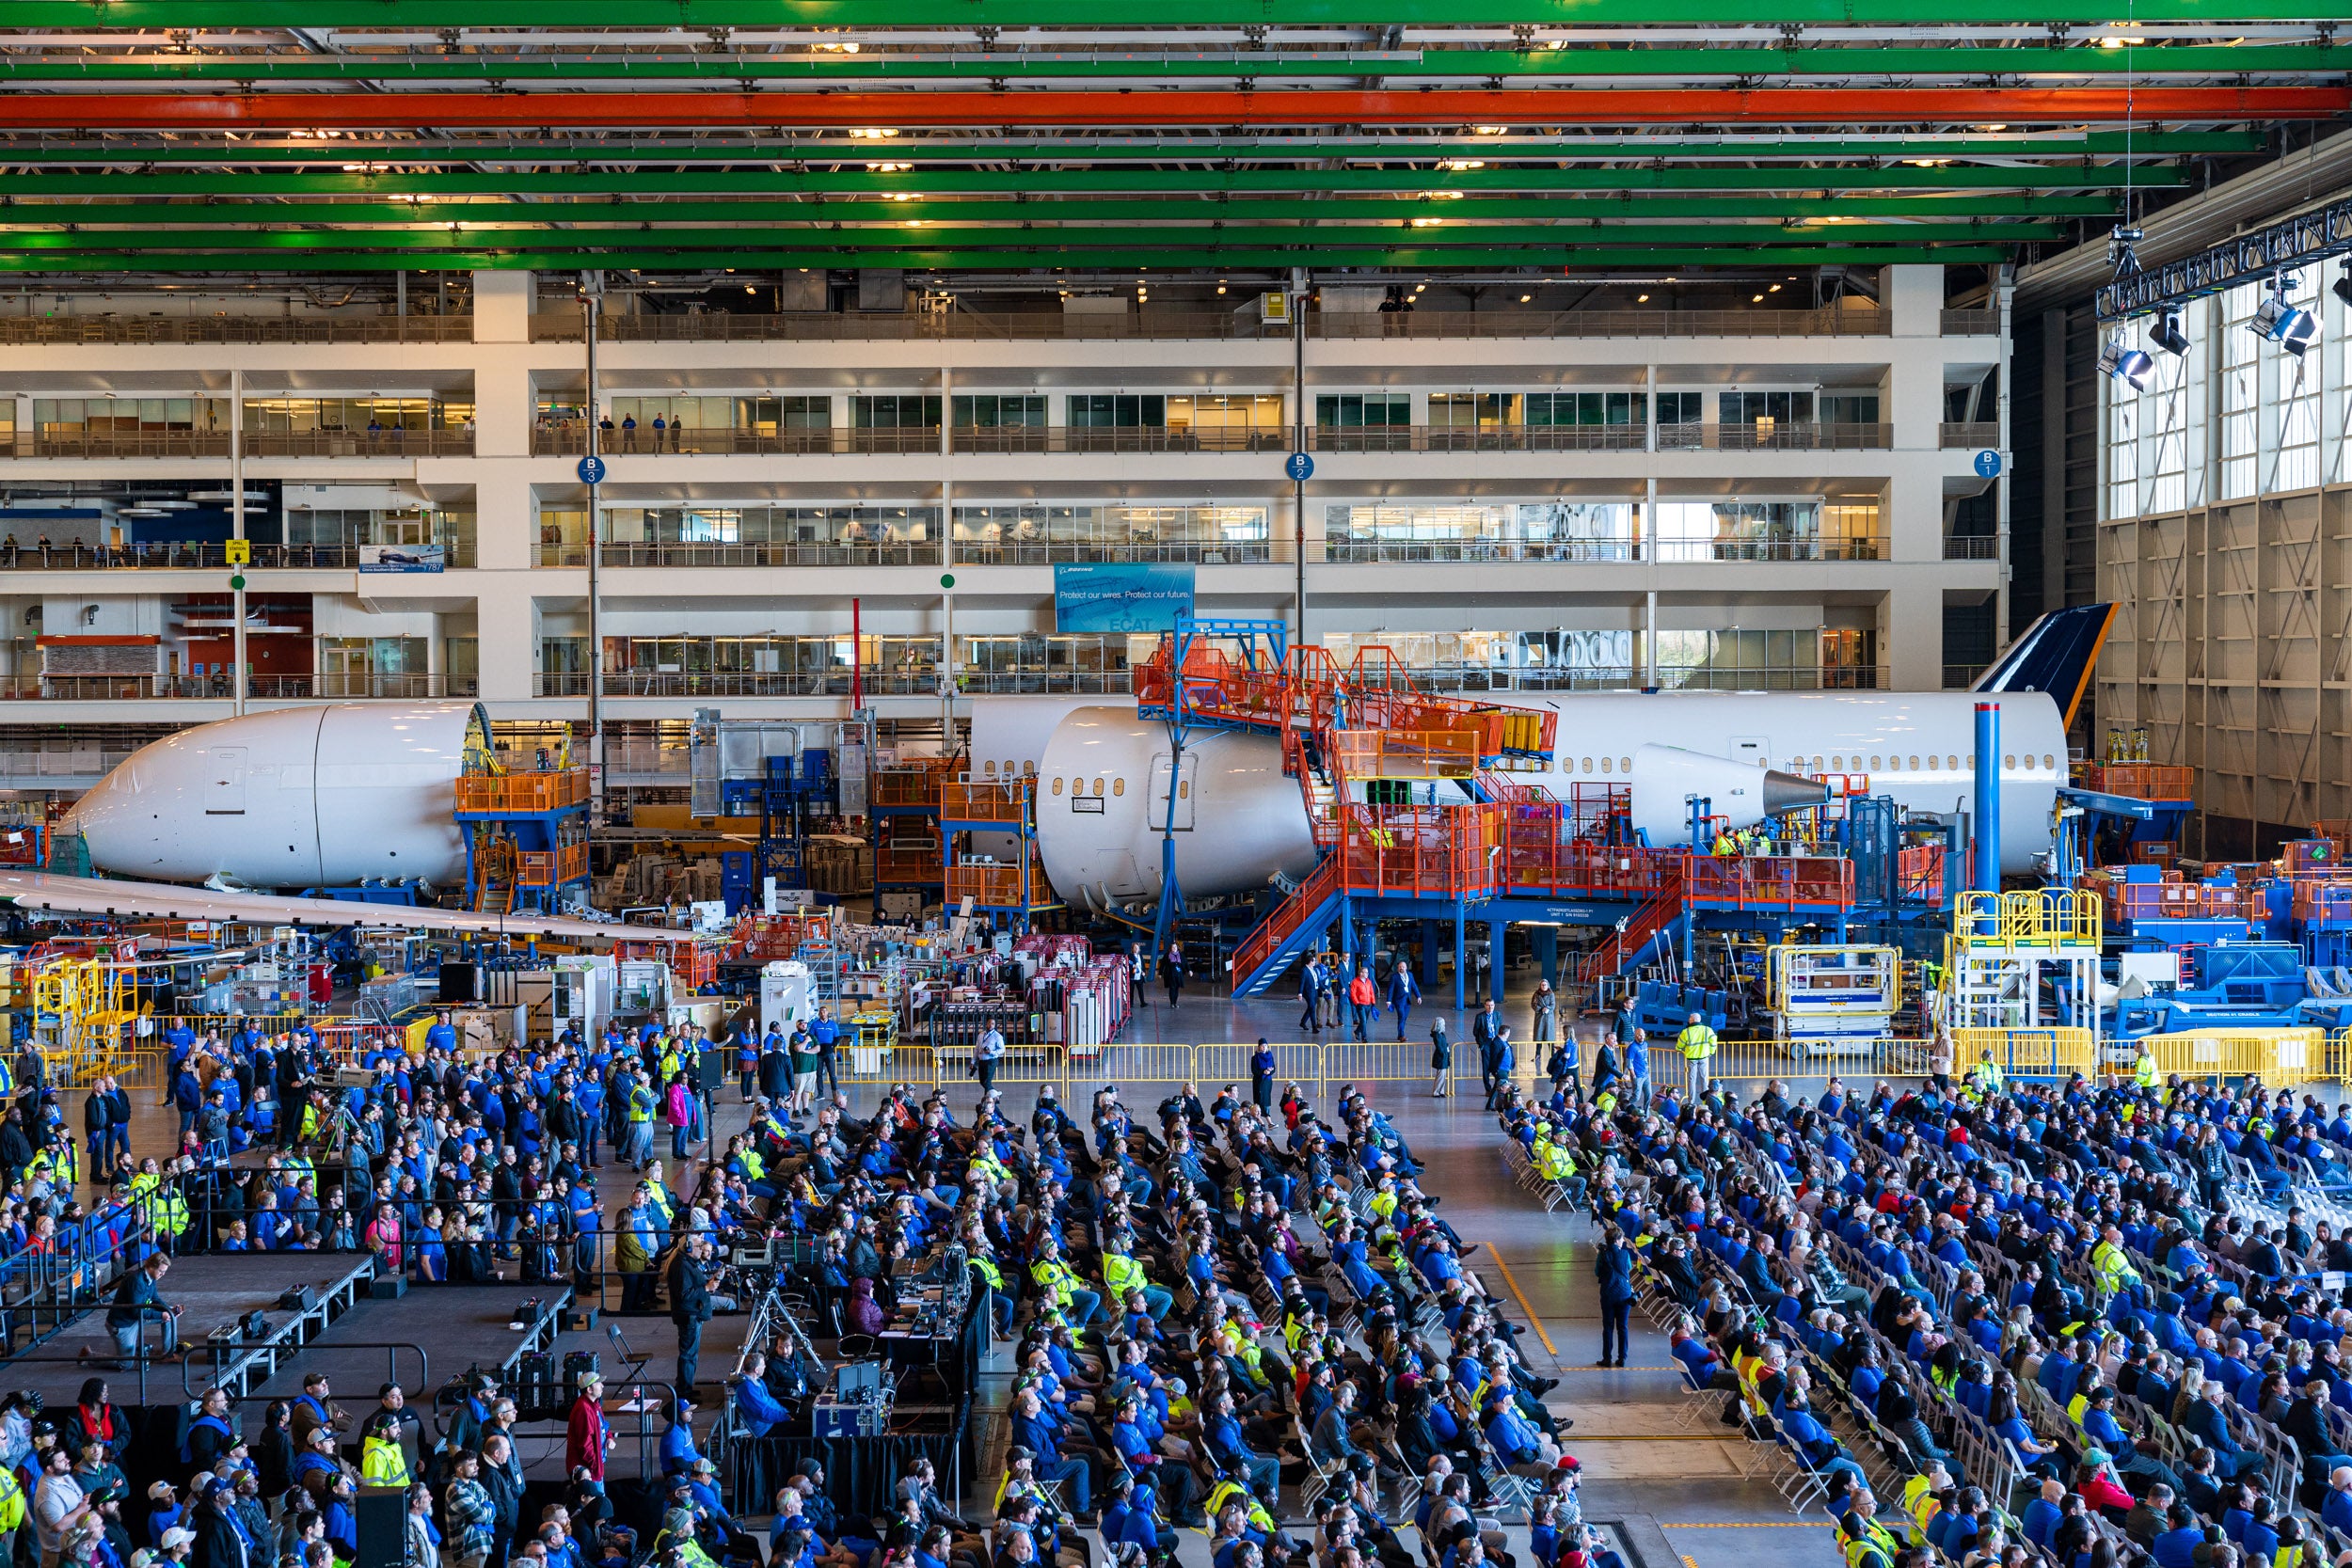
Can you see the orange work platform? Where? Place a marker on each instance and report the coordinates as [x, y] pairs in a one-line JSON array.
[[519, 794]]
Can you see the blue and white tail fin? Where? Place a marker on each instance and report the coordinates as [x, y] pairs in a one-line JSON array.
[[2056, 654]]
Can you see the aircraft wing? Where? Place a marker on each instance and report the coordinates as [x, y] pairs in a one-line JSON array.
[[93, 895]]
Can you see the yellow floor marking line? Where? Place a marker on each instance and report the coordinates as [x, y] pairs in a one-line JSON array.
[[1536, 1322]]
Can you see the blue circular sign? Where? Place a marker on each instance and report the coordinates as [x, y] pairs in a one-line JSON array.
[[1299, 466], [1988, 463], [592, 470]]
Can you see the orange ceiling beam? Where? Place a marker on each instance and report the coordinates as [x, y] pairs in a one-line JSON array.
[[173, 111]]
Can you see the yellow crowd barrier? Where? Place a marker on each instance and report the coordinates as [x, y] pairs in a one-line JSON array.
[[2026, 1053], [2274, 1056]]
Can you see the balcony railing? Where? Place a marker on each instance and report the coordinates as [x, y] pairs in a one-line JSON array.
[[558, 326], [215, 443], [173, 556], [1844, 548], [1971, 546], [1968, 324], [1000, 440], [1776, 436], [877, 682], [736, 441], [1959, 677], [140, 688], [1484, 677], [1965, 434], [19, 330], [1506, 437], [740, 556]]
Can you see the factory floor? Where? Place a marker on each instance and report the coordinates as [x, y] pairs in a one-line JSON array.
[[1640, 1467]]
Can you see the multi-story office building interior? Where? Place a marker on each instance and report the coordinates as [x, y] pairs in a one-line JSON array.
[[1766, 402]]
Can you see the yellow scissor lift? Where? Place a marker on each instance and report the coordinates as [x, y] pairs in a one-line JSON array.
[[2019, 970]]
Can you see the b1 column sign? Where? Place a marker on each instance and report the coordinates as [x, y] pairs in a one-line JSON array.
[[1988, 463], [1121, 596]]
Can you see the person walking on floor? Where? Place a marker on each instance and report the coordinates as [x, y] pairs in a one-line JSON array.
[[1173, 972], [1404, 990], [1363, 999], [1262, 1076], [986, 1055], [1507, 1063], [1440, 1060], [1545, 1006], [1697, 1044], [1487, 1033], [1310, 995], [1612, 1266]]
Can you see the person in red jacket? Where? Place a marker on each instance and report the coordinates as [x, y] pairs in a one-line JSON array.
[[587, 1440]]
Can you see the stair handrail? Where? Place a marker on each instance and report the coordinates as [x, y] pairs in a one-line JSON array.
[[1276, 927]]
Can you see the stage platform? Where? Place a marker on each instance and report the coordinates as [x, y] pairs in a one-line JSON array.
[[214, 1293], [421, 1341]]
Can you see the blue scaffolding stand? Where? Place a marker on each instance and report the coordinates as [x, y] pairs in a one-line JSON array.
[[526, 837]]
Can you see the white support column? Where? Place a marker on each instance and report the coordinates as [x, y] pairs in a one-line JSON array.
[[501, 307]]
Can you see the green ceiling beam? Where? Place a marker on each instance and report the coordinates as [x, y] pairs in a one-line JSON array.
[[857, 181], [1762, 60], [1446, 235], [213, 214], [1090, 149], [375, 14], [168, 259]]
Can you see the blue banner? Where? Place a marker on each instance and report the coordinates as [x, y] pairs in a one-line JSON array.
[[1141, 596]]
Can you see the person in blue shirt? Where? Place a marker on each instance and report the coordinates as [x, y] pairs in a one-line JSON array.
[[2041, 1519], [756, 1408], [2176, 1547], [1034, 1437], [2336, 1513]]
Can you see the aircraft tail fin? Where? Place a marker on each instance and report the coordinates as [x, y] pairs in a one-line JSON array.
[[2056, 654]]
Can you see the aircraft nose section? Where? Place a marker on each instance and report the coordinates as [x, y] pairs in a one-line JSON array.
[[1787, 792]]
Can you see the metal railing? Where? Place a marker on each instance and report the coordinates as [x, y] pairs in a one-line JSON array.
[[1963, 435], [267, 688], [1760, 436], [922, 682], [1959, 677], [1006, 440], [215, 443], [968, 553], [740, 555], [1972, 547], [192, 556], [1845, 549], [736, 441], [1968, 324], [718, 326], [22, 330]]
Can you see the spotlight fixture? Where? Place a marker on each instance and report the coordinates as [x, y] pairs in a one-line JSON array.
[[2344, 286], [2167, 334], [2128, 365], [2290, 327]]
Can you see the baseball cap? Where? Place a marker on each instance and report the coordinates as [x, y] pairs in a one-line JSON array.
[[175, 1538]]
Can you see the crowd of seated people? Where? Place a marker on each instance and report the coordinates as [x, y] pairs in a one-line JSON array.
[[2098, 1304]]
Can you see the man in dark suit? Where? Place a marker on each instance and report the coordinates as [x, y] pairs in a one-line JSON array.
[[689, 1308], [1487, 1033]]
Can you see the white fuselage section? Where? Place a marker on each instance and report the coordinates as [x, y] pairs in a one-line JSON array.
[[308, 797], [1240, 820]]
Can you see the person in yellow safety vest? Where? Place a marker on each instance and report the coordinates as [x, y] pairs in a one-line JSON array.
[[2144, 1073], [1230, 1491], [11, 1507], [1060, 1286], [1923, 1498], [1724, 849], [1697, 1044], [172, 1217], [2112, 1266], [1000, 1298], [1864, 1542], [1985, 1077], [1124, 1278], [381, 1460]]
